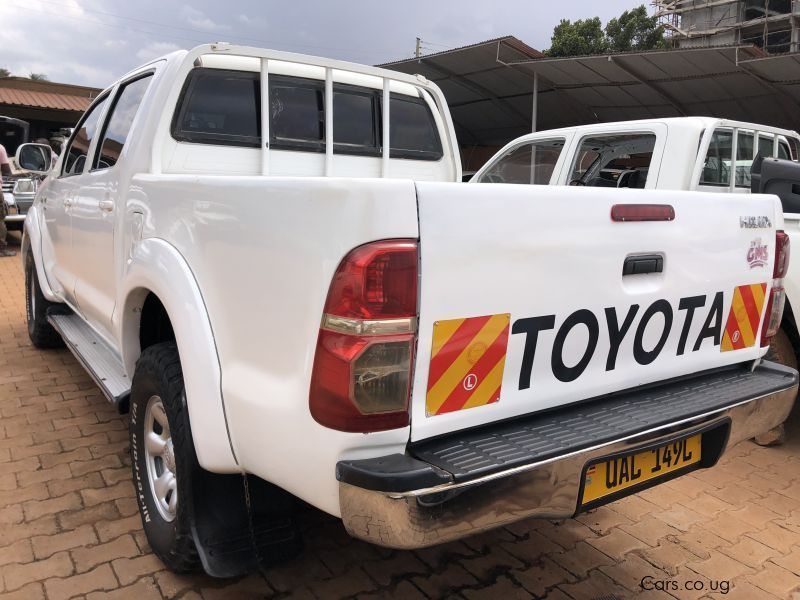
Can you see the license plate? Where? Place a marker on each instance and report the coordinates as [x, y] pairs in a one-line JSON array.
[[621, 472]]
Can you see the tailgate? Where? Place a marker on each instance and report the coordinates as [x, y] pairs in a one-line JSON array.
[[524, 305]]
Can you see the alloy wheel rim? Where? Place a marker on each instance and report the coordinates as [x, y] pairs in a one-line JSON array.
[[160, 458]]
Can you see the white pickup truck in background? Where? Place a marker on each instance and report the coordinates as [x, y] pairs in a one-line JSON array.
[[265, 257], [686, 153]]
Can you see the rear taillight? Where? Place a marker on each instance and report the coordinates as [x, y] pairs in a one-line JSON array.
[[361, 380], [782, 250], [777, 295]]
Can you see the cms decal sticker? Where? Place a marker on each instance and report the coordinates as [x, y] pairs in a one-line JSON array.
[[744, 317], [757, 254], [467, 361]]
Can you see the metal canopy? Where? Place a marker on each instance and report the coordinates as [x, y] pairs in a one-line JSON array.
[[489, 87]]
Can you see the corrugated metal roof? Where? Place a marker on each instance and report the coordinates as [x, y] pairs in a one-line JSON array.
[[488, 87], [37, 99]]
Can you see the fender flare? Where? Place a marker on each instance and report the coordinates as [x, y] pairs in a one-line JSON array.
[[32, 242], [157, 267]]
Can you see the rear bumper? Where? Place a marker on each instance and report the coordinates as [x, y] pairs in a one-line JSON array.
[[457, 486]]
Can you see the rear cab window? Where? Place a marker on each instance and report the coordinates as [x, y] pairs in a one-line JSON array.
[[529, 163], [222, 107], [719, 168], [614, 160]]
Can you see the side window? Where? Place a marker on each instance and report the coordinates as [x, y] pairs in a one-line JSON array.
[[118, 125], [616, 160], [412, 129], [219, 107], [717, 165], [530, 163], [744, 158], [765, 145], [75, 159]]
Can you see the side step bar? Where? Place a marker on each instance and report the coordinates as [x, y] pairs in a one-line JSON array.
[[95, 356]]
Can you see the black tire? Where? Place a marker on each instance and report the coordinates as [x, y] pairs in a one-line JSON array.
[[40, 331], [158, 374], [781, 350]]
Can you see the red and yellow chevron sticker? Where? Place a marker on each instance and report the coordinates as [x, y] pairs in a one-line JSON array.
[[744, 317], [467, 361]]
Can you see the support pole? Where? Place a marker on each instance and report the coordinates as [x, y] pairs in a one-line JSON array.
[[535, 102]]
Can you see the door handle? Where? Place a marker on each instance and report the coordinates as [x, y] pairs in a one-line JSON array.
[[106, 205], [643, 263]]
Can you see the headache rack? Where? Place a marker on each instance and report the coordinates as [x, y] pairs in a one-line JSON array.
[[330, 65]]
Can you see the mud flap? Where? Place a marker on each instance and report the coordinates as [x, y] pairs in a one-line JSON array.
[[241, 523]]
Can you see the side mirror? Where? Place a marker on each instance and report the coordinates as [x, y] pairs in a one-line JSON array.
[[36, 158], [780, 177]]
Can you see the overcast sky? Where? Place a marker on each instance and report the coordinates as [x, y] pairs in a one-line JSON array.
[[92, 42]]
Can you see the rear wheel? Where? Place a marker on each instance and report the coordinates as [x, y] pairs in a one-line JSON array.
[[782, 352], [40, 331], [162, 456]]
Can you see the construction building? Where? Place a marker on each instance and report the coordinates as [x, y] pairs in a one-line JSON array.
[[773, 25]]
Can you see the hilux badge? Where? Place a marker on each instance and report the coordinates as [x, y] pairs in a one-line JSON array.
[[758, 254], [754, 222]]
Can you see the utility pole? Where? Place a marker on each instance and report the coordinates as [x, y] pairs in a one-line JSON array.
[[417, 51]]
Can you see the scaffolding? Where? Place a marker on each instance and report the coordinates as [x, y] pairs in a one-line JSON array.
[[773, 25]]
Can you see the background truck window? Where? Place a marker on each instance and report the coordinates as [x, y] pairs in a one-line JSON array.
[[717, 165], [530, 163], [744, 158], [615, 160], [82, 139], [118, 125]]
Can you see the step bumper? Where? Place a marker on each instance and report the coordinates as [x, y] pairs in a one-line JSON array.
[[459, 485]]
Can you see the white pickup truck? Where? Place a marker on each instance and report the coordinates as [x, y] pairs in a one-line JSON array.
[[686, 153], [265, 257]]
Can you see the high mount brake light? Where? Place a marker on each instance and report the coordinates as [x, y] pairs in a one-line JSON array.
[[777, 296], [361, 380], [642, 212]]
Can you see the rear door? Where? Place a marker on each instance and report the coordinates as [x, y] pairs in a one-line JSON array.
[[97, 205], [525, 304]]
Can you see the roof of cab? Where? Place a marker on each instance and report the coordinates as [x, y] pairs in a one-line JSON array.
[[697, 123]]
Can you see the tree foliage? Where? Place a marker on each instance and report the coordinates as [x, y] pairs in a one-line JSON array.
[[38, 77], [584, 36], [632, 30], [5, 73]]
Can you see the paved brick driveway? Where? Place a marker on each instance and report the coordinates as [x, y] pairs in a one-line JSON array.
[[69, 525]]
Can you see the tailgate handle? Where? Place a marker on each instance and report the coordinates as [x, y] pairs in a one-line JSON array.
[[643, 263]]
